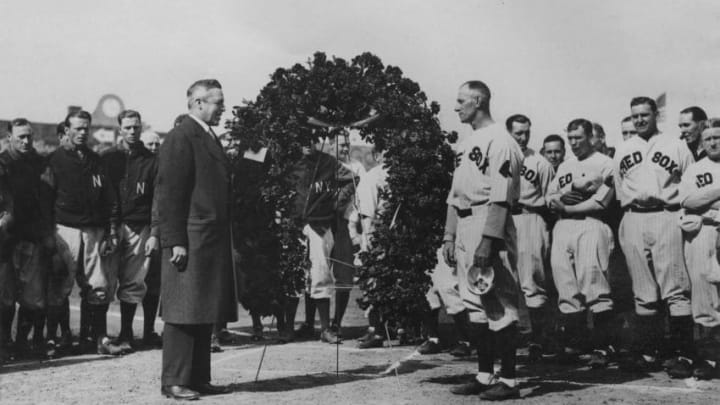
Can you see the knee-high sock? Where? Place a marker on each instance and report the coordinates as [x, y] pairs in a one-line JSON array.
[[54, 313], [647, 334], [290, 311], [99, 321], [86, 319], [681, 336], [7, 313], [323, 307], [39, 326], [537, 321], [506, 342], [127, 315], [309, 310], [462, 325], [65, 318], [484, 346], [602, 329], [24, 324], [342, 297], [432, 324], [375, 321], [150, 306]]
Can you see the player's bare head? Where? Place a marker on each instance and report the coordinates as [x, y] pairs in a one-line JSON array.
[[206, 101], [644, 111], [151, 140], [598, 136], [711, 139], [691, 124], [21, 135], [579, 133], [554, 149], [77, 127], [130, 126], [473, 102], [518, 126], [627, 128]]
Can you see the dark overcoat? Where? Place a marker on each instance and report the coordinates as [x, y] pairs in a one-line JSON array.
[[194, 200]]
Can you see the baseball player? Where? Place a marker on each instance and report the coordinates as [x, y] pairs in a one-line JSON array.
[[582, 243], [598, 141], [700, 196], [533, 244], [479, 224], [87, 213], [31, 235], [554, 150], [7, 273], [691, 126], [133, 171], [648, 168], [627, 128]]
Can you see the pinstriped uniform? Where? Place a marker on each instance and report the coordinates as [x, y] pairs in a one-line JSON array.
[[444, 289], [647, 175], [487, 171], [533, 244], [582, 245], [700, 252]]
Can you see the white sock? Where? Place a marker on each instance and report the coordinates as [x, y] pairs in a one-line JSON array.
[[510, 382], [484, 378], [434, 340]]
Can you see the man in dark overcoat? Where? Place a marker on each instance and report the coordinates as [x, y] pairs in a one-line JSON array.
[[198, 285]]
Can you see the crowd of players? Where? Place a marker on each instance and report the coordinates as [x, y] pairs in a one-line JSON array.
[[530, 241]]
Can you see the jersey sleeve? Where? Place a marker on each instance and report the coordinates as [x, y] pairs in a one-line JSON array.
[[685, 156], [688, 184], [504, 169], [604, 194], [367, 193], [545, 176]]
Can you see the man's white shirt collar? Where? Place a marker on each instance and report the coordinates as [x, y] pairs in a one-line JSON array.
[[203, 124]]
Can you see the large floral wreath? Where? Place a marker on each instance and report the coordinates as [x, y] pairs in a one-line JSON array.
[[404, 125]]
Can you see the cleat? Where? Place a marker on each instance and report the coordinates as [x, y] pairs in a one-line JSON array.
[[328, 336], [106, 347], [472, 388], [462, 349], [374, 342], [499, 392], [429, 347], [683, 368]]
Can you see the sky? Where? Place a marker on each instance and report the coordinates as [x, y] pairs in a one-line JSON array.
[[553, 60]]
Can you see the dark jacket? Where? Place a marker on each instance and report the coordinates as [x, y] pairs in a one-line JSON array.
[[323, 185], [194, 197], [29, 180], [133, 173], [84, 195]]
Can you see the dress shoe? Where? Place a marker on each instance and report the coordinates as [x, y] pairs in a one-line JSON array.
[[126, 345], [179, 392], [328, 336], [473, 387], [683, 368], [286, 336], [209, 389], [429, 347], [705, 371], [105, 346], [373, 342], [462, 349], [499, 392]]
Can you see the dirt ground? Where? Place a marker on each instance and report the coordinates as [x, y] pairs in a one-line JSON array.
[[305, 372]]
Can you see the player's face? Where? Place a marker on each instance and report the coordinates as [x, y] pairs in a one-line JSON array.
[[521, 133], [22, 138], [78, 131], [597, 141], [344, 149], [689, 129], [554, 152], [644, 119], [130, 129], [579, 142], [711, 143], [628, 130], [467, 105]]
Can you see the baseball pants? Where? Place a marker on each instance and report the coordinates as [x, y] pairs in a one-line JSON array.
[[533, 247], [31, 266], [656, 236], [319, 280], [499, 307], [443, 291], [580, 256], [701, 261], [97, 280], [132, 263], [342, 255]]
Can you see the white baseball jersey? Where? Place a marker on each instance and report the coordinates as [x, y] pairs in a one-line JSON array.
[[595, 166], [648, 172], [700, 176], [535, 177], [368, 191], [485, 162]]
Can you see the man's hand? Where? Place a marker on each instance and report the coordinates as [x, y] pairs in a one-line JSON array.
[[151, 245], [572, 198], [483, 253], [449, 254], [109, 245], [179, 257], [556, 204]]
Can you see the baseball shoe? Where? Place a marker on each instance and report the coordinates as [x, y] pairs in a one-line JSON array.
[[683, 368], [215, 345], [65, 343], [429, 347], [499, 392], [211, 389], [305, 331], [462, 349], [367, 336], [637, 363], [85, 346], [226, 337], [535, 352], [473, 387], [600, 358], [373, 342], [705, 371], [152, 341], [50, 349], [568, 356], [328, 336], [106, 347], [179, 393], [126, 345], [286, 336]]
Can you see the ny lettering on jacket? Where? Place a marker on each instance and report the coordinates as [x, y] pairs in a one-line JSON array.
[[321, 186]]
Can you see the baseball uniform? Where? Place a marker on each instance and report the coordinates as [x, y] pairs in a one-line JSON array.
[[647, 177], [582, 243], [700, 255], [487, 172], [444, 291]]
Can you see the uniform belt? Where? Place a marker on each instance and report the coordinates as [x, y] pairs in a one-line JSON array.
[[577, 216], [526, 209], [658, 208], [466, 212]]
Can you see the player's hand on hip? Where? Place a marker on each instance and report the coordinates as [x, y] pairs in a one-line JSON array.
[[483, 253], [449, 253], [179, 257], [151, 245]]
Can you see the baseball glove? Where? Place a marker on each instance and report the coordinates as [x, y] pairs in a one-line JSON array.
[[480, 279]]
